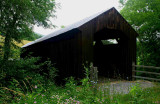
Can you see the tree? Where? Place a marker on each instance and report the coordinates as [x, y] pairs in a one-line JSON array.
[[62, 26], [33, 37], [144, 16], [17, 17]]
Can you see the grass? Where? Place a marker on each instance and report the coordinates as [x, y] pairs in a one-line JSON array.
[[15, 52], [85, 93], [16, 43], [23, 84], [146, 96]]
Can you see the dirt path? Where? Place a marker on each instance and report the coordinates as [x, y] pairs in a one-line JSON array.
[[123, 87]]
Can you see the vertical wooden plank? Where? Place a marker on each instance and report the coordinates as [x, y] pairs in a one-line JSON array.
[[96, 74], [133, 72]]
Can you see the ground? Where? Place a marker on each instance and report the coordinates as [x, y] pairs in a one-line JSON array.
[[121, 86]]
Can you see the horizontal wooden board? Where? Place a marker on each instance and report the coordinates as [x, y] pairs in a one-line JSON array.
[[147, 72], [149, 67], [146, 78]]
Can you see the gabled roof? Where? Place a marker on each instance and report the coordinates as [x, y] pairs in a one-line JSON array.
[[68, 28], [74, 26]]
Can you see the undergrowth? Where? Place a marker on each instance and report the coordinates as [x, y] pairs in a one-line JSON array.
[[24, 81]]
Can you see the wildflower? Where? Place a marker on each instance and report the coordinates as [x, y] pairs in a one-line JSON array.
[[35, 102], [35, 86], [78, 102], [67, 100]]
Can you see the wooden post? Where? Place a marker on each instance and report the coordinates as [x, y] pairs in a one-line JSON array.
[[93, 74], [133, 71]]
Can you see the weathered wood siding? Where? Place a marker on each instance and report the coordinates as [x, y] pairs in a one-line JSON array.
[[73, 48], [114, 21]]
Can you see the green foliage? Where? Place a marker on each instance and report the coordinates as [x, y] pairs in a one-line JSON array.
[[24, 76], [27, 82], [139, 96], [71, 85], [72, 93], [135, 92], [33, 37], [62, 26], [17, 18], [144, 16]]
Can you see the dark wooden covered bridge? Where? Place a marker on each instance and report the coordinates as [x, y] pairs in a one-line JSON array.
[[86, 40]]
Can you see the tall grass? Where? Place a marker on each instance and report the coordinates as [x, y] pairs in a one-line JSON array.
[[72, 93], [21, 86]]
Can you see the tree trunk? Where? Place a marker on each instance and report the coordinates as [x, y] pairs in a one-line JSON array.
[[8, 38], [7, 46]]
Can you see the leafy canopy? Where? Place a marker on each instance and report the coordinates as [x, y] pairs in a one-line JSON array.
[[144, 16], [17, 18], [20, 15]]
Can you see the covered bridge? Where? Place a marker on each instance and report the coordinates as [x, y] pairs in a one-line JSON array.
[[86, 41]]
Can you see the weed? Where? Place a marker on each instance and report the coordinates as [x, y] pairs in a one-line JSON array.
[[31, 88]]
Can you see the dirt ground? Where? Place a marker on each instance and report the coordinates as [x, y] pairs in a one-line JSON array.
[[121, 86]]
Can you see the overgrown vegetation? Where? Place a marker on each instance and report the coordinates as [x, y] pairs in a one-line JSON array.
[[21, 76], [17, 18], [33, 37], [144, 16], [34, 89]]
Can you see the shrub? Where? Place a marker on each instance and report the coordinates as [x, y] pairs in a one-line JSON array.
[[21, 76]]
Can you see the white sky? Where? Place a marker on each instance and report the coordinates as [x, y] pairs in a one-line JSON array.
[[72, 11]]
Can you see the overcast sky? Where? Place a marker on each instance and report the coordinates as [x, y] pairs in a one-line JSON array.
[[72, 11]]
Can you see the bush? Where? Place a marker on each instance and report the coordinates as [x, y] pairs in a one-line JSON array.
[[36, 87], [22, 76]]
